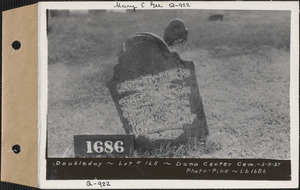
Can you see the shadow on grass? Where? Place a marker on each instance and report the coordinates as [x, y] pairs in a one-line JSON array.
[[180, 148]]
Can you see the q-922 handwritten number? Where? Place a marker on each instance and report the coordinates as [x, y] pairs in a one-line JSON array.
[[179, 5], [98, 184]]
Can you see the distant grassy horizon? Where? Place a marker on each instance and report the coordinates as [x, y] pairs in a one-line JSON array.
[[242, 69], [103, 34]]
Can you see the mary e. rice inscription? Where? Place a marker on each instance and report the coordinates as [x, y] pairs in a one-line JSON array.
[[155, 92]]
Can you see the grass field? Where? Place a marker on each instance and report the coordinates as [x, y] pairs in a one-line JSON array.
[[242, 68]]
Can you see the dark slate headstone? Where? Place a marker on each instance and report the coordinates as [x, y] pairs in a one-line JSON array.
[[155, 92], [175, 32]]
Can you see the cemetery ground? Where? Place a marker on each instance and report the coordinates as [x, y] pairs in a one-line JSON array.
[[242, 69]]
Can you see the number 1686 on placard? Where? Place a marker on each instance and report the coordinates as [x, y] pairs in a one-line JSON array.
[[104, 146], [94, 145]]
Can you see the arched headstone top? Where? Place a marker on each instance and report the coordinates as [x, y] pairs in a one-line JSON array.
[[177, 21], [175, 31], [143, 43], [143, 53], [142, 39]]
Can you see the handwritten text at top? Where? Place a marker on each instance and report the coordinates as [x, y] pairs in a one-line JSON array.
[[150, 4]]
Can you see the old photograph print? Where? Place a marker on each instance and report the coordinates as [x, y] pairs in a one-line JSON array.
[[176, 83]]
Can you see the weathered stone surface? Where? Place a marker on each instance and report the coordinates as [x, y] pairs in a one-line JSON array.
[[175, 32], [155, 92]]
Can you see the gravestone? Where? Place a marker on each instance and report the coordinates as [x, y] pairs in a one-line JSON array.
[[175, 32], [155, 92]]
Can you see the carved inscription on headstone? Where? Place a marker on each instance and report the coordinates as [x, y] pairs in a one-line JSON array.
[[155, 92], [157, 102]]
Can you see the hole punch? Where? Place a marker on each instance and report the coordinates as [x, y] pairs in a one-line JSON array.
[[16, 45], [16, 149]]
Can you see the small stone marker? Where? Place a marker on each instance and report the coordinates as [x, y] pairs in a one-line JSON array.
[[155, 92], [175, 32]]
